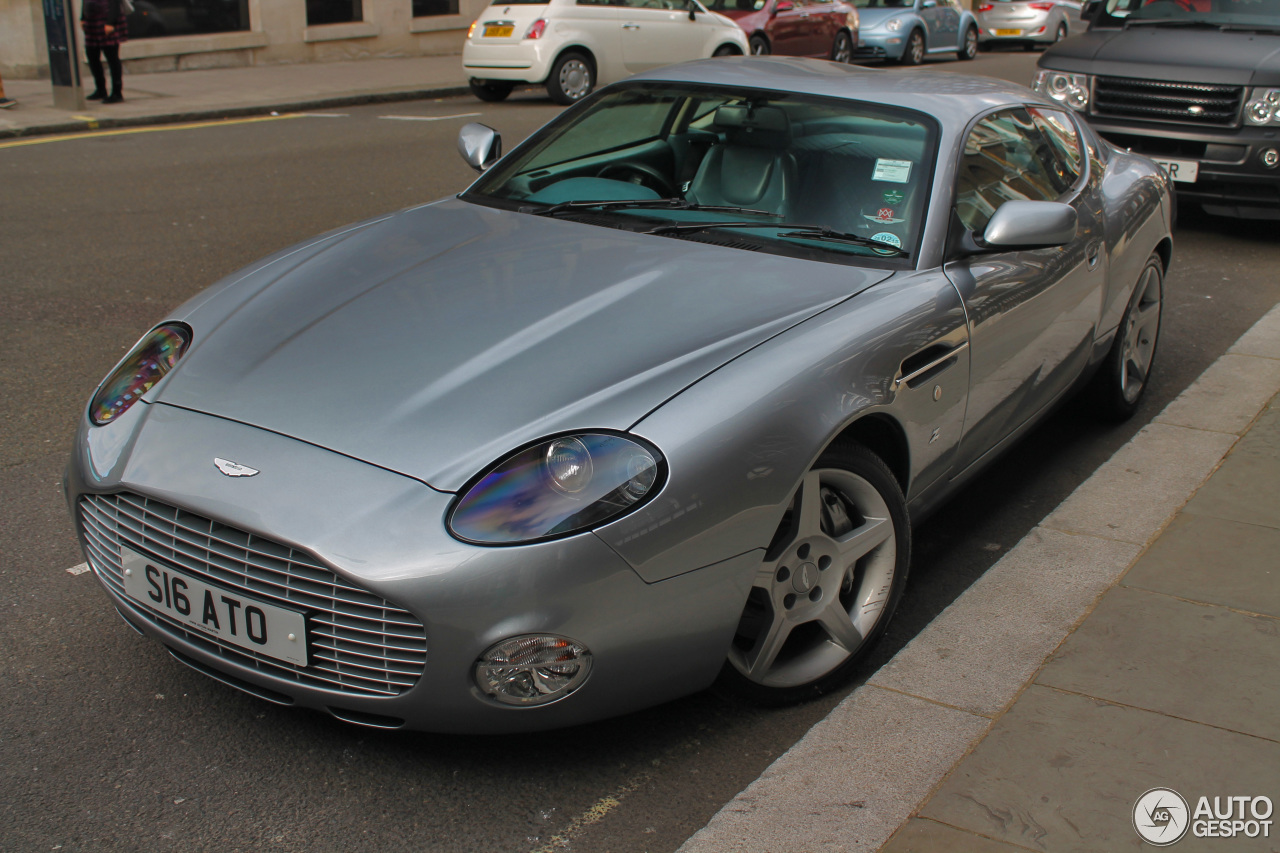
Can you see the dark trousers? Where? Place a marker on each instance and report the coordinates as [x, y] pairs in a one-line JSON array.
[[94, 55]]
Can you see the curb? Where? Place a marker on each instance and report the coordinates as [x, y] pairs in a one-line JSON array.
[[319, 102], [864, 770]]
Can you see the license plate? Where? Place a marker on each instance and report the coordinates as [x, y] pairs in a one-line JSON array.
[[249, 623], [1182, 171], [498, 32], [1008, 32]]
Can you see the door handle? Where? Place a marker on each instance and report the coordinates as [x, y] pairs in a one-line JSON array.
[[631, 26], [928, 363], [1094, 253]]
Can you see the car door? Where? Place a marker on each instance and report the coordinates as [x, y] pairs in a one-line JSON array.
[[659, 32], [597, 25], [942, 21], [786, 27], [1032, 313]]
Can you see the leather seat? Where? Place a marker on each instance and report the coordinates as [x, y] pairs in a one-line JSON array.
[[753, 167]]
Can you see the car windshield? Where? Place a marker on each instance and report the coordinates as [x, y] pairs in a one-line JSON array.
[[1229, 14], [828, 179]]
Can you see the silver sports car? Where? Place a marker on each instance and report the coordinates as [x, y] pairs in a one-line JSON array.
[[653, 402]]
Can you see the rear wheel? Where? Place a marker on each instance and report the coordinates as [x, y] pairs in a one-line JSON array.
[[842, 48], [491, 90], [913, 51], [1123, 378], [968, 45], [828, 584], [572, 78], [760, 45]]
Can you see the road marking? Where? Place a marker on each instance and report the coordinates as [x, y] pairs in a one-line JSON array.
[[150, 129], [78, 570], [429, 118], [324, 115], [92, 121], [595, 814]]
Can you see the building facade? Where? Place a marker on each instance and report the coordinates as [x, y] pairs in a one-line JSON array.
[[176, 35]]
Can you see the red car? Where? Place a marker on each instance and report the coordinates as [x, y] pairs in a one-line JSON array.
[[827, 29]]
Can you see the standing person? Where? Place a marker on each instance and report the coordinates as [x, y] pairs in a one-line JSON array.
[[105, 28], [5, 103]]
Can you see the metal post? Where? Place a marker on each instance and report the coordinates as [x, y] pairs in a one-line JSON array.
[[64, 55]]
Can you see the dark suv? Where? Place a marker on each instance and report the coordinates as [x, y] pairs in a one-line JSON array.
[[1193, 84]]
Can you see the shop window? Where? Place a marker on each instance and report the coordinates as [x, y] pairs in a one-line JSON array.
[[426, 8], [334, 12], [156, 18]]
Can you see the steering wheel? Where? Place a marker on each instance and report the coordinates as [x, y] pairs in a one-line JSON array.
[[639, 173]]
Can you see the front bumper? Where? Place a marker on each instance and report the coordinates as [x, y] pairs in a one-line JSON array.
[[383, 533], [1233, 180], [880, 45]]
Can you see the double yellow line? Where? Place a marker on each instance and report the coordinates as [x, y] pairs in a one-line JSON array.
[[41, 140]]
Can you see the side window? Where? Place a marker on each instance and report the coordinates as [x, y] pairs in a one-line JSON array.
[[1006, 158], [1063, 138]]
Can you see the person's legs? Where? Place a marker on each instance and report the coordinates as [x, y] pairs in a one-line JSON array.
[[94, 54], [117, 74]]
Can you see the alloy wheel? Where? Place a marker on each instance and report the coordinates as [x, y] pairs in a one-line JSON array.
[[1141, 330]]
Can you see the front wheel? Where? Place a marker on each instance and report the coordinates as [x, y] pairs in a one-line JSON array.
[[1123, 378], [828, 584], [842, 49], [760, 46], [913, 51], [491, 90], [968, 45], [572, 78]]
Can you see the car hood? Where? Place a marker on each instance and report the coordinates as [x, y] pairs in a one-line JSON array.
[[1171, 53], [868, 18], [440, 339]]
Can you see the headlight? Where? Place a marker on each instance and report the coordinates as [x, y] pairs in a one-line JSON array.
[[1263, 107], [557, 487], [144, 366], [533, 670], [1069, 89], [893, 24]]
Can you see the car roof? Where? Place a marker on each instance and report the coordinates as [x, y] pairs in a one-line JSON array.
[[939, 93]]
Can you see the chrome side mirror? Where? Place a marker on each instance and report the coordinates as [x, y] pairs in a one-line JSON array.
[[480, 145], [1030, 225]]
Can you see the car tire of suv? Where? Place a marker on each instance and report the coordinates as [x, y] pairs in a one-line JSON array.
[[913, 50], [491, 90], [1120, 383], [572, 78], [760, 45], [968, 45]]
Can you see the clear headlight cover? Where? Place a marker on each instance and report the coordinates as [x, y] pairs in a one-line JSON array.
[[1263, 107], [893, 24], [557, 487], [1069, 89], [144, 366], [533, 669]]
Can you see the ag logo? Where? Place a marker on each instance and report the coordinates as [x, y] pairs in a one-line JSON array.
[[1160, 816]]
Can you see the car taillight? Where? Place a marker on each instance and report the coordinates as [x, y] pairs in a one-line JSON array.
[[1041, 7], [985, 7], [536, 29], [471, 30]]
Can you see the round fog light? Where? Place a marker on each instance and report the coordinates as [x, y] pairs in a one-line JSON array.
[[1270, 158], [533, 670]]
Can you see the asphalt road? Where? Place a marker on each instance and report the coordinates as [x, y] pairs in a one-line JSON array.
[[108, 744]]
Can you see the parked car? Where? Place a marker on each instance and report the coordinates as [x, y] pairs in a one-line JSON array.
[[1194, 86], [572, 46], [636, 410], [826, 29], [907, 31], [1029, 24]]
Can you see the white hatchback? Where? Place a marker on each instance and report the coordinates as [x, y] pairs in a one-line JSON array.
[[574, 45]]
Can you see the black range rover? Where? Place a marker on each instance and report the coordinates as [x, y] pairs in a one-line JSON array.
[[1193, 84]]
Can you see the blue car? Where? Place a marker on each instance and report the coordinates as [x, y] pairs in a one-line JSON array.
[[906, 32]]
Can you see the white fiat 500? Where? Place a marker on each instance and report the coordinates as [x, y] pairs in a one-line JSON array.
[[572, 46]]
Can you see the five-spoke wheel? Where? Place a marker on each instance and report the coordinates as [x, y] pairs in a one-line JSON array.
[[1124, 376]]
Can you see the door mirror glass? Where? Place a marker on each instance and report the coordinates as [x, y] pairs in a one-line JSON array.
[[1030, 225], [784, 6], [480, 145], [928, 4]]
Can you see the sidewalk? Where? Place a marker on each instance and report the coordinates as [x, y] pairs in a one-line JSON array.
[[1130, 642], [226, 92]]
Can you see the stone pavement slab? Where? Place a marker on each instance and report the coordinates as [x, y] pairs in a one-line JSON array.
[[929, 836], [1247, 486]]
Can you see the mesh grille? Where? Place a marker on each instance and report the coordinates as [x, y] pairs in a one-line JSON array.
[[1157, 100], [357, 643]]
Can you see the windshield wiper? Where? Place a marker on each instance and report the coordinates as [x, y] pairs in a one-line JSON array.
[[805, 232], [661, 203]]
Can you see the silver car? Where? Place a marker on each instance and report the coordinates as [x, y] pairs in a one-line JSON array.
[[653, 403], [1030, 24]]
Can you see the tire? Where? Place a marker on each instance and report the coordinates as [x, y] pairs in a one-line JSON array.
[[760, 45], [842, 48], [726, 50], [1118, 387], [491, 90], [828, 585], [1061, 33], [968, 45], [913, 50], [572, 78]]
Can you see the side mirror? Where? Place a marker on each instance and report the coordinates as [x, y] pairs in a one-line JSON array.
[[1090, 10], [784, 6], [480, 145], [929, 4], [693, 11], [1030, 225]]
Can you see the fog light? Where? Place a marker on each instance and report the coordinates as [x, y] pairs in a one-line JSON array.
[[1270, 158], [533, 670]]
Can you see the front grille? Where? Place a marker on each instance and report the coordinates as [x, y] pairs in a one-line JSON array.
[[1158, 100], [358, 643]]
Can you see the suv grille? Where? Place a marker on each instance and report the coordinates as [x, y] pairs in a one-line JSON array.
[[357, 643], [1157, 100]]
